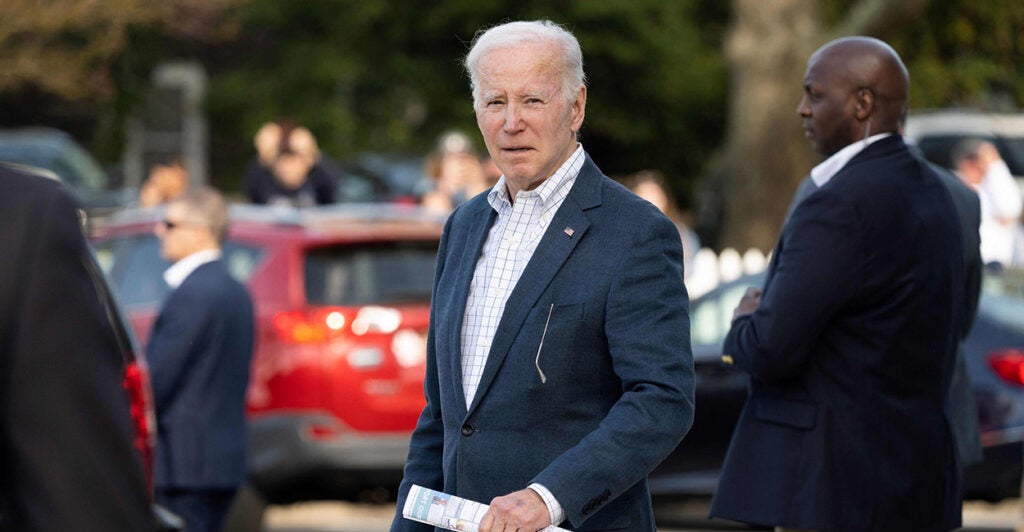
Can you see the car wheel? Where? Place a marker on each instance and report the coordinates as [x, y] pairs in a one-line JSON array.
[[246, 512]]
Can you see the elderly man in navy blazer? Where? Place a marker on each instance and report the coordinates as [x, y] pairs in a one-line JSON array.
[[559, 369], [199, 354], [851, 345]]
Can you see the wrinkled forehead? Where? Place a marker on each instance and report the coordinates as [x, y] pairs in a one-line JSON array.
[[516, 62]]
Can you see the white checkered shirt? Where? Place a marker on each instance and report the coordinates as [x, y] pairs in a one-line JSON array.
[[510, 244]]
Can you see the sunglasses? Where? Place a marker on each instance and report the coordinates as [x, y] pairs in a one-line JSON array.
[[168, 224]]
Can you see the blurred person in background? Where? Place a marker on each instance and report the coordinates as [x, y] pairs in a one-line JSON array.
[[66, 456], [456, 172], [289, 168], [165, 182], [650, 185], [559, 367], [979, 165], [851, 345], [199, 354]]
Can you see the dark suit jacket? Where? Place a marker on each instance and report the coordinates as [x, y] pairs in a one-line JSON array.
[[963, 408], [199, 354], [66, 455], [851, 353], [619, 391]]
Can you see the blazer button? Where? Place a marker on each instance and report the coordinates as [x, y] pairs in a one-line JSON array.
[[468, 430]]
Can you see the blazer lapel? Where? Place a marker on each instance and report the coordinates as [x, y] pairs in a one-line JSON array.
[[471, 250], [566, 230]]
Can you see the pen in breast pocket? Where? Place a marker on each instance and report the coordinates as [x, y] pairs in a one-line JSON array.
[[536, 362]]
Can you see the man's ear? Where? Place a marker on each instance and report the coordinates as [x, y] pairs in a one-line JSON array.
[[865, 106]]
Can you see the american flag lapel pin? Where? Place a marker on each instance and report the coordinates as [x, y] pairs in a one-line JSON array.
[[569, 231]]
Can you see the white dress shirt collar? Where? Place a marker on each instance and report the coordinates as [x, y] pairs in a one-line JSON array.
[[566, 174], [824, 172], [179, 271]]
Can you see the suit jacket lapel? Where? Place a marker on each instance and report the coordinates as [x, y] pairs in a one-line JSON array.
[[554, 248], [471, 250]]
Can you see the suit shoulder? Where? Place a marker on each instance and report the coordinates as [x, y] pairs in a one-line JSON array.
[[33, 190]]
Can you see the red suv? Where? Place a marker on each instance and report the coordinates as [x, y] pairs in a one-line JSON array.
[[342, 296]]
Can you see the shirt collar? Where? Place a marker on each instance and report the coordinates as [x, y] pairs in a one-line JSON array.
[[566, 174], [824, 172], [179, 271]]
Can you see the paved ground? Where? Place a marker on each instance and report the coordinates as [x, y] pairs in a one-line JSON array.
[[351, 517]]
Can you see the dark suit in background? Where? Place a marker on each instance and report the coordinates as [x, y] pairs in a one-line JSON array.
[[963, 409], [852, 351], [199, 354], [66, 455]]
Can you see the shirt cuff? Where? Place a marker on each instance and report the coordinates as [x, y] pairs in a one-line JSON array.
[[554, 509]]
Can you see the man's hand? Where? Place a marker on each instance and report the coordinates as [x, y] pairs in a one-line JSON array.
[[522, 511], [750, 302]]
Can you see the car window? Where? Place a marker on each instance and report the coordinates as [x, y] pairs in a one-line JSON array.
[[939, 149], [711, 315], [1012, 150], [1002, 299], [136, 268], [241, 260], [378, 273]]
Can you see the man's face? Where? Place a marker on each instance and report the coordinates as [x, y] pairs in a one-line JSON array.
[[181, 234], [527, 123], [828, 105]]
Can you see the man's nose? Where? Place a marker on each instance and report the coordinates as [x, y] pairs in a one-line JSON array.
[[802, 108], [513, 118]]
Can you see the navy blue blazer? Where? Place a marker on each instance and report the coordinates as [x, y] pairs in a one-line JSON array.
[[616, 354], [851, 354], [199, 354]]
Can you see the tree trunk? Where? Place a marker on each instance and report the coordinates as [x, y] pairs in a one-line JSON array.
[[765, 154]]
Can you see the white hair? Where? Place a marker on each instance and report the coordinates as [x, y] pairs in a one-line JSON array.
[[514, 33]]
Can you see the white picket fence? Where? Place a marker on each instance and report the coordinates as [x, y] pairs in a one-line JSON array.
[[709, 269]]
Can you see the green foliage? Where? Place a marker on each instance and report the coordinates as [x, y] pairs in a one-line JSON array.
[[379, 75], [964, 54]]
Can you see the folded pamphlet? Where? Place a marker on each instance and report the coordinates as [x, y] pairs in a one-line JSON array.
[[447, 511]]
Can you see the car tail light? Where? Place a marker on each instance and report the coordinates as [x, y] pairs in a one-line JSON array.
[[1008, 364], [315, 326], [321, 324], [136, 383]]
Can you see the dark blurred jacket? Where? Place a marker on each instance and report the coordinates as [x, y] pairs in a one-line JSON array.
[[66, 456], [851, 354], [321, 185], [199, 354]]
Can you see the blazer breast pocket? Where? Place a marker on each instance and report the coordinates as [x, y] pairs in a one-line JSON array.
[[796, 414], [552, 335]]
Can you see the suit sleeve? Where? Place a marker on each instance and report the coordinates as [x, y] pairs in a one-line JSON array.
[[816, 273], [648, 332], [68, 460], [423, 466]]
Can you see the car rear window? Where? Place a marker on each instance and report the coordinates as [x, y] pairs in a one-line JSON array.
[[377, 273], [1002, 298], [134, 266]]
